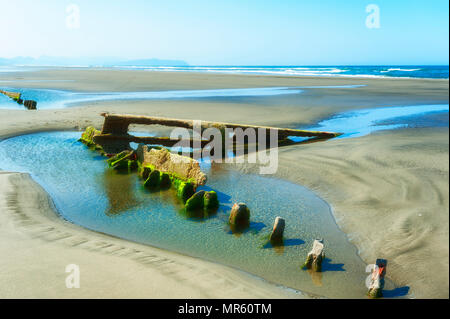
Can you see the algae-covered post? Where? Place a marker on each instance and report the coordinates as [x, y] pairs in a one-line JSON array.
[[315, 256], [376, 283], [13, 95], [203, 200], [17, 96]]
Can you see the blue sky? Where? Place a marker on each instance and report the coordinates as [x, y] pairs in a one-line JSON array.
[[231, 32]]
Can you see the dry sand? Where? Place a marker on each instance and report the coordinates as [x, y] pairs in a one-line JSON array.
[[389, 191]]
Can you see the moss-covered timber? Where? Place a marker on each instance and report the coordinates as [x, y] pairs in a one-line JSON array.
[[210, 201], [196, 201], [13, 95], [123, 160], [88, 135]]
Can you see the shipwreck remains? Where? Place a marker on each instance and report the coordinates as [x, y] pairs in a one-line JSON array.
[[30, 104], [315, 257], [13, 95], [114, 135], [17, 96]]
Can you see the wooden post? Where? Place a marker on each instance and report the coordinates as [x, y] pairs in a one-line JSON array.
[[277, 232], [315, 256], [30, 104], [376, 283], [13, 95], [239, 216]]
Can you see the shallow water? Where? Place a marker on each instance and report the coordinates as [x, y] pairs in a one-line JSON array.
[[87, 193], [363, 122], [52, 99]]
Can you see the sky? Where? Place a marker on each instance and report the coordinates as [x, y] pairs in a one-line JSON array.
[[230, 32]]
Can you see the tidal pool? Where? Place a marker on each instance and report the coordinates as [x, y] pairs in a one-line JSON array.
[[89, 194]]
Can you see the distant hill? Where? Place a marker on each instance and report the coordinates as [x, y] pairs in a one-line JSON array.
[[107, 61]]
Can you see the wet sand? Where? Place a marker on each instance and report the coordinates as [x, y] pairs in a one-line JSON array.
[[389, 191]]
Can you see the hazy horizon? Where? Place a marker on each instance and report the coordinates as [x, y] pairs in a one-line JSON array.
[[109, 61]]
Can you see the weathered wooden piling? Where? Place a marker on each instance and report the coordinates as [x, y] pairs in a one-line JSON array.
[[239, 216], [196, 201], [17, 96], [376, 283], [315, 256], [30, 104], [13, 95], [277, 231], [203, 200]]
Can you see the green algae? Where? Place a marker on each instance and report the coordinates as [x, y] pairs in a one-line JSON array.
[[125, 160], [153, 179], [185, 190], [196, 201], [210, 201], [87, 137], [165, 181]]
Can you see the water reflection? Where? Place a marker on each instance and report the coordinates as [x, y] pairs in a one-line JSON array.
[[120, 191]]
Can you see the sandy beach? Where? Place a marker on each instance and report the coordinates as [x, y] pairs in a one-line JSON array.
[[388, 190]]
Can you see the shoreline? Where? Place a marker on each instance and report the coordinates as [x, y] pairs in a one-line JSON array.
[[152, 69], [366, 200]]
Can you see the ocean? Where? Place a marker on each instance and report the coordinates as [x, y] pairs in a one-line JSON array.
[[379, 71], [385, 71]]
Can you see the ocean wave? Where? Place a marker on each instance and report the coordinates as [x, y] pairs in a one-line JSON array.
[[400, 70], [320, 71]]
